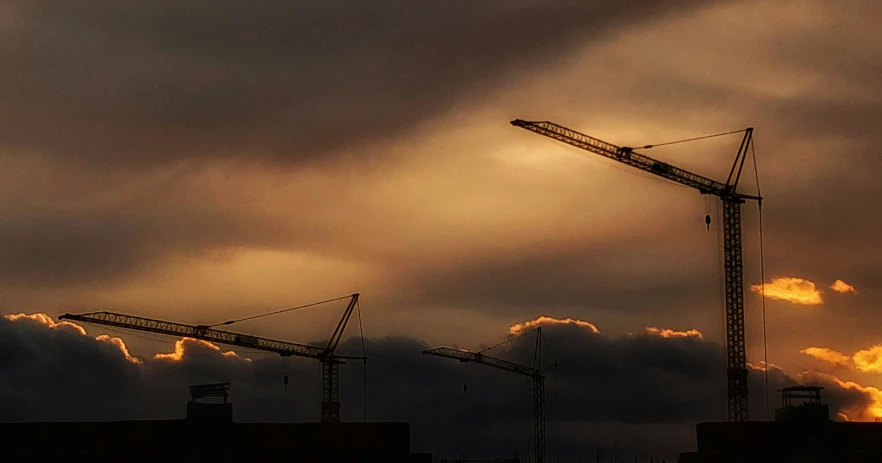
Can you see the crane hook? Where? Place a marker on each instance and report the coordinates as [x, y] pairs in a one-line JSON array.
[[285, 380], [707, 221], [465, 390]]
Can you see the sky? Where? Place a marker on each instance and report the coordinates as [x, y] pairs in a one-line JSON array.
[[197, 163]]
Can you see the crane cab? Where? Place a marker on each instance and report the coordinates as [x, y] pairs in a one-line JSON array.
[[661, 167], [247, 340]]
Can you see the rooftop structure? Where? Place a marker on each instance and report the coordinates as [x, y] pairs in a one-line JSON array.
[[208, 433], [801, 432]]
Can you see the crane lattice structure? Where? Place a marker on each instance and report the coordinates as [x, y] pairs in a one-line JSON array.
[[326, 355], [535, 372], [736, 371]]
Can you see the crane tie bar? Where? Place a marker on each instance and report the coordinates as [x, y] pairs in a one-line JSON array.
[[230, 322]]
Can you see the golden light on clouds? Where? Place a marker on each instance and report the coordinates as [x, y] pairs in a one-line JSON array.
[[46, 320], [520, 328], [870, 413], [869, 360], [827, 355], [181, 349], [49, 322], [842, 287], [762, 366], [120, 345], [791, 289], [668, 333], [177, 355]]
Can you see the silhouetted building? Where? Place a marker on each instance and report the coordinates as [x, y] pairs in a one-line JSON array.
[[208, 433], [802, 432]]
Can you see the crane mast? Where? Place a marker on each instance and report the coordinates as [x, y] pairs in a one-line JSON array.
[[331, 368], [326, 355], [733, 268], [534, 372]]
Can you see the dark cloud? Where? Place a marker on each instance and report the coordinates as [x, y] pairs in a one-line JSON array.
[[123, 83], [62, 249], [616, 277], [644, 383]]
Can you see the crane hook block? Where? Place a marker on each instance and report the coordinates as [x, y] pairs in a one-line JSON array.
[[285, 380], [707, 221]]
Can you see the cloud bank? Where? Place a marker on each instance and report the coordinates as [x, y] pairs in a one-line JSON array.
[[292, 83], [641, 381]]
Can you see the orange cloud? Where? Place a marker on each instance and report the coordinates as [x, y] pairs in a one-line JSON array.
[[177, 355], [872, 412], [827, 355], [520, 328], [49, 322], [791, 289], [842, 287], [762, 366], [46, 320], [181, 348], [869, 360], [120, 345], [667, 333]]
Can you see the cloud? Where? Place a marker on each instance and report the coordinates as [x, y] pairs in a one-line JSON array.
[[46, 320], [790, 289], [644, 382], [131, 84], [119, 345], [842, 287], [181, 346], [828, 355], [761, 366], [91, 231], [543, 320], [869, 360], [856, 402], [668, 333]]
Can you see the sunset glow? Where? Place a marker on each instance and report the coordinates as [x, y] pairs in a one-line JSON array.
[[668, 333], [544, 320], [791, 289], [192, 192], [828, 355], [869, 360], [182, 344], [842, 287], [47, 320], [870, 413], [120, 345]]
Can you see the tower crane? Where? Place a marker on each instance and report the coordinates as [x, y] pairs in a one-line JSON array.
[[326, 355], [736, 359], [535, 372]]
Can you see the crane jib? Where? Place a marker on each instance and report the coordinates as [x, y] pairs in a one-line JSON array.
[[625, 155], [535, 373], [330, 404], [200, 332]]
